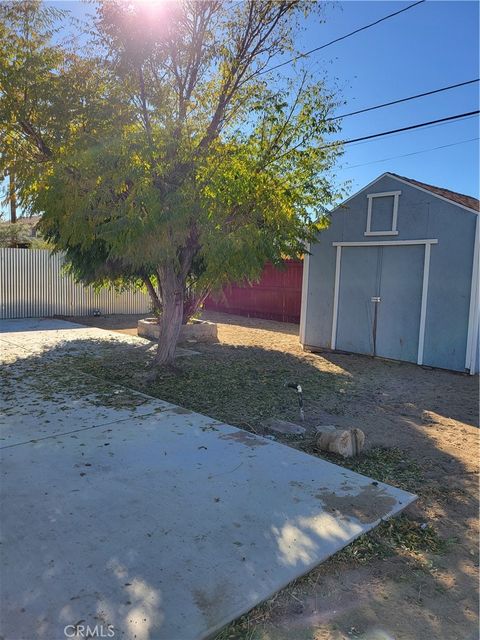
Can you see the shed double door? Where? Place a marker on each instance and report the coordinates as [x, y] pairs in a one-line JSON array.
[[380, 297]]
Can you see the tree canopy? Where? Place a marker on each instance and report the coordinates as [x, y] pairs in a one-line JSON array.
[[163, 150]]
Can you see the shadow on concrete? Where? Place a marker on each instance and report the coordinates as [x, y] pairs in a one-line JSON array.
[[430, 415]]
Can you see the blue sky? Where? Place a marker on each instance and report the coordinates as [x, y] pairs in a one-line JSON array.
[[432, 45]]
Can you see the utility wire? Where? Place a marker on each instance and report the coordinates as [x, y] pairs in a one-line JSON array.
[[413, 153], [305, 54], [430, 126], [409, 128], [418, 95]]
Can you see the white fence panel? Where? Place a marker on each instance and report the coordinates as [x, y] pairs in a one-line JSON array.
[[33, 285]]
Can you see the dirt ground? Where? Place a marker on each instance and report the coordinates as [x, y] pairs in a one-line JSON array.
[[427, 421], [119, 323]]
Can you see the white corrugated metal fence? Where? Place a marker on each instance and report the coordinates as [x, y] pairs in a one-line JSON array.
[[33, 285]]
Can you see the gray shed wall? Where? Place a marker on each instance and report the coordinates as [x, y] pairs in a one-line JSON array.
[[421, 215]]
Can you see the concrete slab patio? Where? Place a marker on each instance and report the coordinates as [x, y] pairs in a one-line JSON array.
[[120, 509], [40, 334]]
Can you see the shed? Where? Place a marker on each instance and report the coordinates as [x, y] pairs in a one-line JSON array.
[[396, 275]]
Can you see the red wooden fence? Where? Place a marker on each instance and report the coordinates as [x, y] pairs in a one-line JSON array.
[[277, 296]]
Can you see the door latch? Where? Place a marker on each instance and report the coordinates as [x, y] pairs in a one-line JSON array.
[[375, 299]]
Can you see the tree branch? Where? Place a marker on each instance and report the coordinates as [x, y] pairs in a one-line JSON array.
[[153, 294]]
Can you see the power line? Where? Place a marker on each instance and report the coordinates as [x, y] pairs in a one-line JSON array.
[[418, 95], [409, 128], [413, 153], [347, 35], [430, 126]]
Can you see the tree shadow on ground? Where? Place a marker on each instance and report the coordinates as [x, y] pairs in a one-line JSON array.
[[112, 322], [411, 390], [399, 585]]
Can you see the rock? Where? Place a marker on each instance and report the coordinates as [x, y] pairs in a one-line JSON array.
[[284, 427], [345, 442]]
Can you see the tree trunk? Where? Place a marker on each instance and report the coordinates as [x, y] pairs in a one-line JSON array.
[[192, 302], [12, 197], [170, 320], [154, 297]]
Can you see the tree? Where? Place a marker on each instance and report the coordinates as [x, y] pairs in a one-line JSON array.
[[28, 66], [174, 157]]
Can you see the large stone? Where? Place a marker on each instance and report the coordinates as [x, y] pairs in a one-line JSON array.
[[284, 427], [345, 442]]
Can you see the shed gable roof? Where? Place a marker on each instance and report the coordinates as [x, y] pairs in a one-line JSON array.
[[465, 202]]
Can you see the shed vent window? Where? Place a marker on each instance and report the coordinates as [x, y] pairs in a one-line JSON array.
[[382, 213]]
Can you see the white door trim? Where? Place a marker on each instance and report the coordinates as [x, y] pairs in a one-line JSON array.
[[423, 307], [473, 315], [391, 243], [379, 243], [304, 303], [335, 295]]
